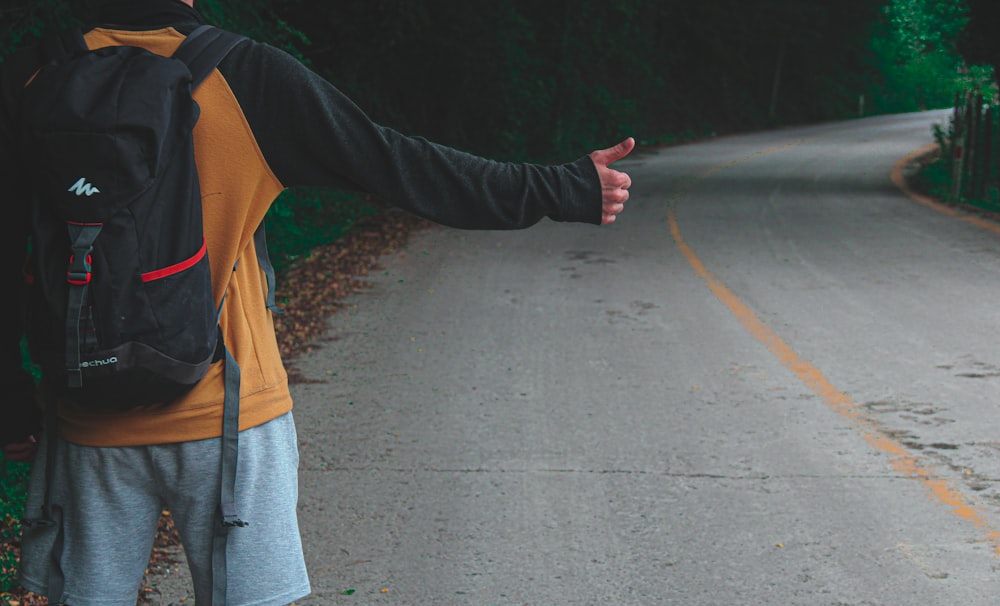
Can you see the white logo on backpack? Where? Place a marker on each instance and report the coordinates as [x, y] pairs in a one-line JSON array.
[[81, 188], [97, 363]]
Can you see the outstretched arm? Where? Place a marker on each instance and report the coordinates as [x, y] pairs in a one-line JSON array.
[[317, 136], [614, 184]]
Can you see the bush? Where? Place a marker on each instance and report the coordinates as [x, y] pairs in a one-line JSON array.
[[306, 217], [13, 485]]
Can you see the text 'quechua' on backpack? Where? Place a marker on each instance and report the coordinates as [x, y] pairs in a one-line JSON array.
[[122, 313]]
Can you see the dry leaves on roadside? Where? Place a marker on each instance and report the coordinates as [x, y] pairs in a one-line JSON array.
[[309, 291]]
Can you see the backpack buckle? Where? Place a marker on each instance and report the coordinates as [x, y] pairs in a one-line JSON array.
[[79, 273]]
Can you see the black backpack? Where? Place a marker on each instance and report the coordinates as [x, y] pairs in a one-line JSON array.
[[121, 307], [121, 311]]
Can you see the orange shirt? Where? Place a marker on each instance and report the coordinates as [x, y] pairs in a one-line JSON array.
[[237, 188]]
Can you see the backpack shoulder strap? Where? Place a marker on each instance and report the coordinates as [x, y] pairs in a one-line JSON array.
[[264, 260], [202, 50]]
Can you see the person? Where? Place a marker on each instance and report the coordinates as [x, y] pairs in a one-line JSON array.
[[267, 123]]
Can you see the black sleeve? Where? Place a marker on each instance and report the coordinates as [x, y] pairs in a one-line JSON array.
[[19, 415], [312, 134]]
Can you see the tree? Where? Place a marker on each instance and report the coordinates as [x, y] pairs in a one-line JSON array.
[[979, 42], [23, 21], [918, 53]]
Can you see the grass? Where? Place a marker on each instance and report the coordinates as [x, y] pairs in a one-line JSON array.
[[935, 180], [13, 485], [935, 175]]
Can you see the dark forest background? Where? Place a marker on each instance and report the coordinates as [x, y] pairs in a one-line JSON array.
[[549, 80], [546, 80]]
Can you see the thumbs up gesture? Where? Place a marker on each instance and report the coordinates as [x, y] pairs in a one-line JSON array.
[[614, 184]]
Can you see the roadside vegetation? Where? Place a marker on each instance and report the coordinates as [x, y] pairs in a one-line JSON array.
[[964, 170], [546, 81]]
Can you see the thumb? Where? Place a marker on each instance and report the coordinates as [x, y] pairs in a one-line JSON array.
[[613, 154]]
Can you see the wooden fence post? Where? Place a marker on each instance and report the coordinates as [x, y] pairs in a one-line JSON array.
[[985, 152], [972, 126], [958, 149], [992, 174], [976, 146]]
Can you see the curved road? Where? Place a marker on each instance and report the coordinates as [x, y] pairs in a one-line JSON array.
[[773, 381]]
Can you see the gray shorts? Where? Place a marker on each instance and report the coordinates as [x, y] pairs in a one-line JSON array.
[[111, 500]]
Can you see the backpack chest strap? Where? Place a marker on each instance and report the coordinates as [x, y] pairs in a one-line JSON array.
[[78, 274]]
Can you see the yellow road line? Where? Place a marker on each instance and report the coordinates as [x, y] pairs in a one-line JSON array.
[[902, 460], [897, 178]]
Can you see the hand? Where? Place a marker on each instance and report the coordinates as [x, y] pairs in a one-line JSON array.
[[23, 451], [614, 184]]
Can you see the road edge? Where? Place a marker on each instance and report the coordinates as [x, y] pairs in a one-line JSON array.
[[907, 166]]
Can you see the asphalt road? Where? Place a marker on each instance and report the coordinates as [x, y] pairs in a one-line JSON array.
[[773, 381]]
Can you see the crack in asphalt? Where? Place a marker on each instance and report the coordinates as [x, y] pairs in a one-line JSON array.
[[637, 472]]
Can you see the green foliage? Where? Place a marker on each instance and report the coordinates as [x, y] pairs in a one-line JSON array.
[[979, 138], [255, 18], [935, 178], [925, 27], [23, 21], [917, 50], [13, 489], [978, 41], [523, 80], [542, 81], [306, 217], [13, 484]]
